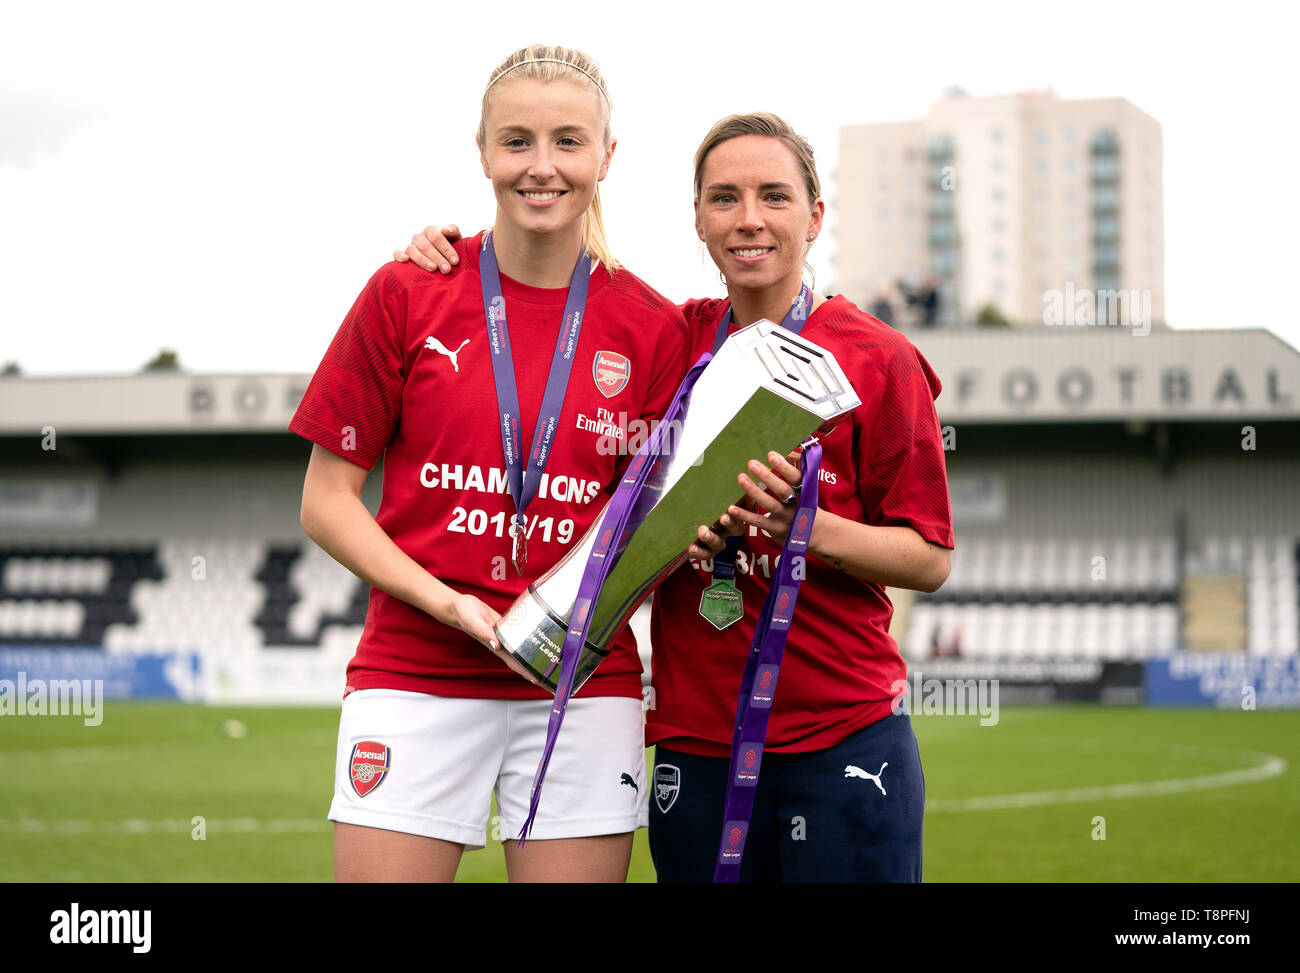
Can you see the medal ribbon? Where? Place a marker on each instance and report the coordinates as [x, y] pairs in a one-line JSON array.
[[524, 488], [793, 321], [611, 539], [758, 685]]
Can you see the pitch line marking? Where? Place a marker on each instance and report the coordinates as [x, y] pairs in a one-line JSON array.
[[141, 826], [1271, 767]]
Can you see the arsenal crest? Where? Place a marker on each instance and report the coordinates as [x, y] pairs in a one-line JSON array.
[[370, 765], [611, 372], [668, 781]]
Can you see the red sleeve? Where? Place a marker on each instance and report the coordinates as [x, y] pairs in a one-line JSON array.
[[353, 402], [701, 316], [902, 475], [670, 365]]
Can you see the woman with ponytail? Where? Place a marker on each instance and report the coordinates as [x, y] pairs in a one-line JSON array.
[[472, 388]]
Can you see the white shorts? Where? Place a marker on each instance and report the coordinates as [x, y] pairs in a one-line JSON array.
[[427, 765]]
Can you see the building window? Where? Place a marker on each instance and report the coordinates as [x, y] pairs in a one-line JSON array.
[[1105, 199], [940, 147], [997, 194], [1105, 170], [1106, 229], [1104, 142], [1040, 137], [996, 135]]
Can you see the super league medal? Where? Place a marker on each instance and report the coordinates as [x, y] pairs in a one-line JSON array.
[[721, 603]]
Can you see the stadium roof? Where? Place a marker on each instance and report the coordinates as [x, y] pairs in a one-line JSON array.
[[1074, 374]]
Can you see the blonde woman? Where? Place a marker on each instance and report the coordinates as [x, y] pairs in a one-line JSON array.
[[429, 373]]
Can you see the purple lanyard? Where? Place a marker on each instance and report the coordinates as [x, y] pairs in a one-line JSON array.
[[522, 488], [758, 685], [613, 537], [793, 321]]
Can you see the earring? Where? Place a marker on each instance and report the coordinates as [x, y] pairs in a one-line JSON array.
[[812, 237]]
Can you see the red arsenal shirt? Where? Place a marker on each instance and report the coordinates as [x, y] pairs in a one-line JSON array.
[[409, 377], [882, 465]]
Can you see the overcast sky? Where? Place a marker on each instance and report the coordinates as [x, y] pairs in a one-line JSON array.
[[222, 179]]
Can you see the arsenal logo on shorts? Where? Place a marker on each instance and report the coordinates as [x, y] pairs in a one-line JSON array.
[[668, 783], [370, 765], [611, 372]]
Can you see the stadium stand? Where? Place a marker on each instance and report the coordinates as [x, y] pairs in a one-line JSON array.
[[1130, 524]]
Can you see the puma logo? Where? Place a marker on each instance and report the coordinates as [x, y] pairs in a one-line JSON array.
[[433, 344], [851, 771], [627, 779]]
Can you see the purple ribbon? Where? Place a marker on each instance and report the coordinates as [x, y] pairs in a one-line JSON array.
[[793, 321], [758, 685], [522, 489], [612, 539]]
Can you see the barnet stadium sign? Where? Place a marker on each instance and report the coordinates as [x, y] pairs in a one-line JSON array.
[[1053, 376]]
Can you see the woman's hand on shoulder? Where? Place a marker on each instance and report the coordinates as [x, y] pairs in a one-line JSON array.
[[431, 249]]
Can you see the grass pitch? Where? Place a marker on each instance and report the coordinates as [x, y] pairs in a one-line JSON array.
[[1180, 795]]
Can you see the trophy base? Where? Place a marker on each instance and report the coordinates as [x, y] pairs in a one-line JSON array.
[[534, 634]]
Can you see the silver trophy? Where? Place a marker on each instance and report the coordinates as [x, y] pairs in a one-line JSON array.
[[767, 388]]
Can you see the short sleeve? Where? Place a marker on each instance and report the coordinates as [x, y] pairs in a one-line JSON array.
[[671, 363], [902, 476], [668, 368], [353, 402]]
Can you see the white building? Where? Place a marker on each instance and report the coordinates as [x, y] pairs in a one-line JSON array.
[[1020, 202]]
